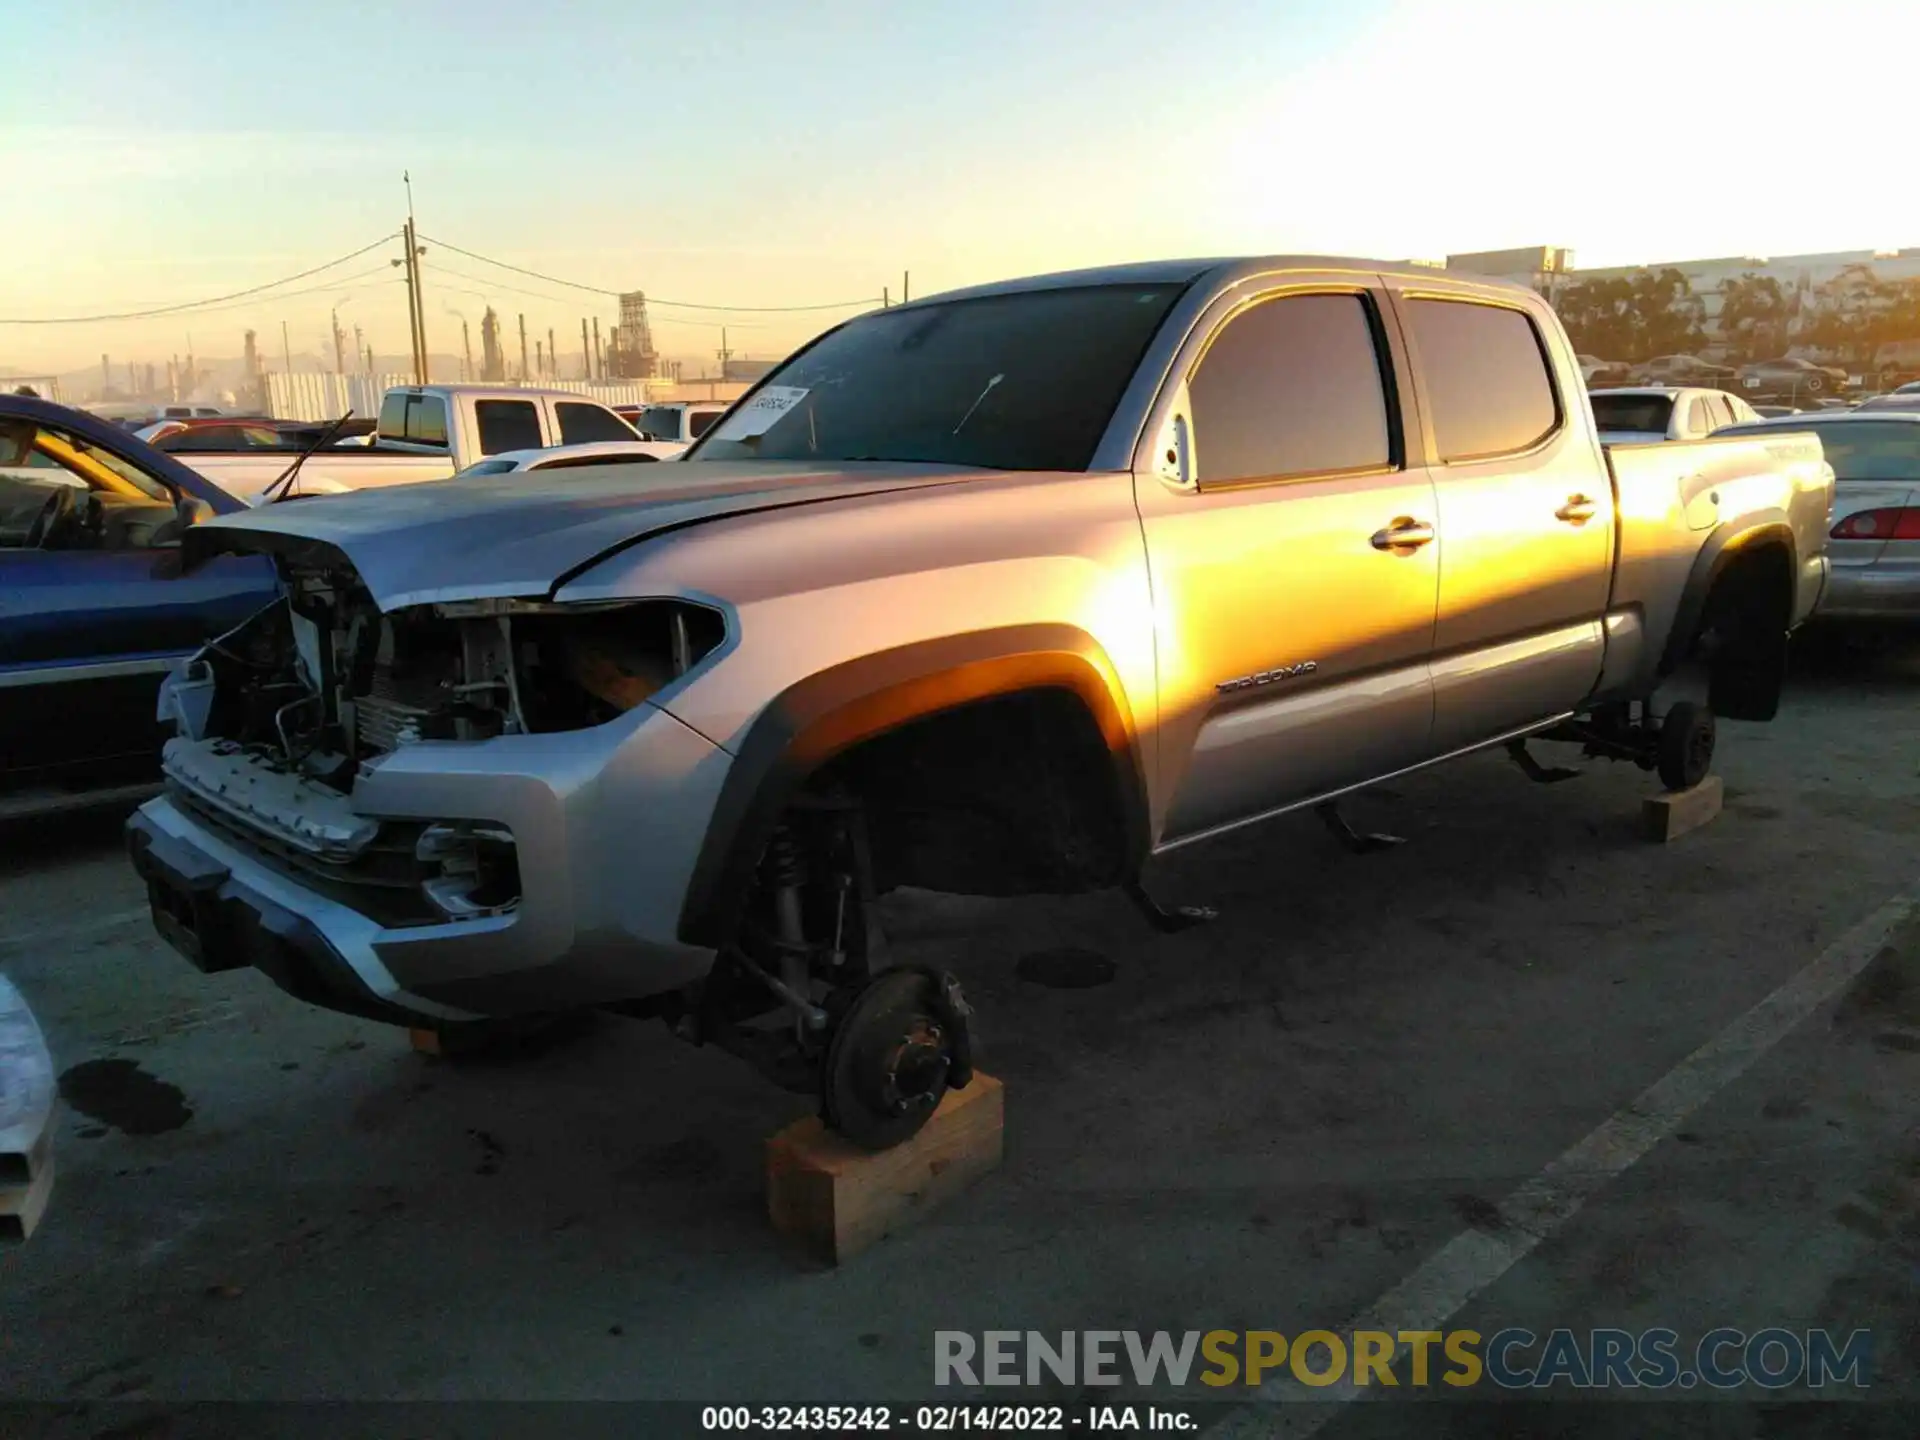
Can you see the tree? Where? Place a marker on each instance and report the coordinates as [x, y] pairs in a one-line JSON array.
[[1853, 317], [1671, 316], [1633, 317], [1598, 315], [1756, 315]]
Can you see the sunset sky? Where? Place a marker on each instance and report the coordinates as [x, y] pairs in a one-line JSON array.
[[760, 155]]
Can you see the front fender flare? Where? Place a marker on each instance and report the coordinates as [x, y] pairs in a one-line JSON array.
[[830, 712]]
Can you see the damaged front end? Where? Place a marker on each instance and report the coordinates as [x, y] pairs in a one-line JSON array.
[[278, 719]]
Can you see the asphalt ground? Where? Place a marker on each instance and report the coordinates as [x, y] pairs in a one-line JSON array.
[[1267, 1124]]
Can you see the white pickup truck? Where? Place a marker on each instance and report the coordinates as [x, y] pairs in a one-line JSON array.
[[426, 432]]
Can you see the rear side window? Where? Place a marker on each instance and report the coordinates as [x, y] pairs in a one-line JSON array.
[[701, 421], [1291, 387], [584, 424], [507, 425], [1717, 413], [1697, 420], [1486, 374]]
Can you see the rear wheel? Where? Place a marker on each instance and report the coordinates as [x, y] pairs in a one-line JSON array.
[[1685, 752]]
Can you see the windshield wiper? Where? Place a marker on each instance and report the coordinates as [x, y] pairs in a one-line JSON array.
[[292, 472], [978, 401]]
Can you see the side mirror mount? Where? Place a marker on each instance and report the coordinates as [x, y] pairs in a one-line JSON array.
[[1173, 459], [188, 510]]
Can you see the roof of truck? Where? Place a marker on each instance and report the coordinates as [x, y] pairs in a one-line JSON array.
[[502, 389], [1221, 271]]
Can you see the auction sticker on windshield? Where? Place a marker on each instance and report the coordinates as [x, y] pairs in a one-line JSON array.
[[761, 413]]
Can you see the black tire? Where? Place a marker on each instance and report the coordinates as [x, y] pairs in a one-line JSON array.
[[1686, 746], [886, 1069]]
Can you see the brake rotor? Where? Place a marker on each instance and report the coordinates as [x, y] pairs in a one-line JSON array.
[[892, 1057]]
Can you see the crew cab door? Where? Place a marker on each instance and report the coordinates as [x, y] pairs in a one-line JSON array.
[[1292, 559], [1526, 515]]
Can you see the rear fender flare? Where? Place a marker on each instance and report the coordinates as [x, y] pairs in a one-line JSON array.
[[830, 712]]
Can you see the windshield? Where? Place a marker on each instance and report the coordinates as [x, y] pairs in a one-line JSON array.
[[1633, 412], [1024, 381]]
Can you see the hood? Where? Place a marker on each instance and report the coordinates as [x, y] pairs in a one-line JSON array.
[[524, 534]]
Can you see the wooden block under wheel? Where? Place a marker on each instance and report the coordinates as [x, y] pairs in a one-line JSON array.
[[837, 1199], [1669, 816]]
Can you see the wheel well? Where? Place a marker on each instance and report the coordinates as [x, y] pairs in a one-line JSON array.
[[1755, 588], [1015, 794]]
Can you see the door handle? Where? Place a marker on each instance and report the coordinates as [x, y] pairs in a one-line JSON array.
[[1403, 535], [1577, 511]]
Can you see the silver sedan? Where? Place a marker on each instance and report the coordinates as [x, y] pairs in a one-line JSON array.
[[1874, 525]]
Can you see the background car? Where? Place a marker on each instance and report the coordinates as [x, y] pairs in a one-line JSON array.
[[1874, 524], [1791, 379], [1906, 397], [1596, 371], [1681, 370], [94, 608], [570, 457], [1664, 412]]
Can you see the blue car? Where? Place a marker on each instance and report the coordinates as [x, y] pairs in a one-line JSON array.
[[94, 607]]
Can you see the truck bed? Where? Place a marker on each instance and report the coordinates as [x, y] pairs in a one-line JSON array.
[[245, 475], [1669, 493]]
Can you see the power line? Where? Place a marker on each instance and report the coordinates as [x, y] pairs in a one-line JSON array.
[[651, 300], [497, 285], [332, 286], [188, 305]]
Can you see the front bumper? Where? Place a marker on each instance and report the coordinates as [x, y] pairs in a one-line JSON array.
[[606, 825]]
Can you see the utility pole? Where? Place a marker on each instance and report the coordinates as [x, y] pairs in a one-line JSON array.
[[599, 358], [883, 297], [553, 356], [415, 250], [369, 358], [339, 344], [724, 353], [359, 345], [466, 345], [286, 347], [525, 376], [540, 359], [903, 287], [586, 354]]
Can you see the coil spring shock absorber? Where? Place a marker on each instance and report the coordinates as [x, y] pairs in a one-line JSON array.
[[785, 873]]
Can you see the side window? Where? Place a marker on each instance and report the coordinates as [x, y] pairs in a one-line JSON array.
[[507, 425], [1697, 422], [1718, 415], [1291, 387], [1486, 376], [583, 424], [701, 421]]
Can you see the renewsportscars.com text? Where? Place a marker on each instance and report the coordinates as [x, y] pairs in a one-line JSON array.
[[1513, 1359]]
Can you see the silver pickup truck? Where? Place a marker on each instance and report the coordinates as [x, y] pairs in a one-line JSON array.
[[1001, 592]]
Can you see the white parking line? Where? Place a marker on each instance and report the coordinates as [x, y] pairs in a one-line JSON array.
[[59, 934], [1470, 1262]]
